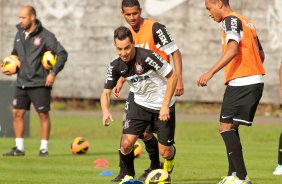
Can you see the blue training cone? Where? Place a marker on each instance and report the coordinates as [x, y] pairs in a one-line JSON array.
[[106, 173]]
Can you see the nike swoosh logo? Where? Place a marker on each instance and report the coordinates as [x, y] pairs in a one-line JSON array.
[[169, 141], [157, 7], [224, 117]]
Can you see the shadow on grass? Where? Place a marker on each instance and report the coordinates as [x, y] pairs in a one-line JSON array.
[[197, 181], [84, 155]]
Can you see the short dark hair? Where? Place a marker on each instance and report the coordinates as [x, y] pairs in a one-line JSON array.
[[225, 2], [122, 33], [130, 3]]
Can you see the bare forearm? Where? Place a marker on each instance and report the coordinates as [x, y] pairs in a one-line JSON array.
[[171, 85], [231, 52], [177, 62], [105, 102]]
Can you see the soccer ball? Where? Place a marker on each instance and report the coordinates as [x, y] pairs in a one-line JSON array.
[[158, 176], [137, 149], [79, 146], [49, 60], [11, 64]]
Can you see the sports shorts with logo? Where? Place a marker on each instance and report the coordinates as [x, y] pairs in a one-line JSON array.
[[40, 97], [137, 119], [240, 104]]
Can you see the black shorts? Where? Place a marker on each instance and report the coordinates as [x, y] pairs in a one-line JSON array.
[[137, 119], [40, 97], [240, 104]]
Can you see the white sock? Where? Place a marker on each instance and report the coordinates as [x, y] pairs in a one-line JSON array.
[[20, 144], [44, 145]]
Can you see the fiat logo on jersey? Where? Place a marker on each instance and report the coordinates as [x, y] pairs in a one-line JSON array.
[[37, 41], [138, 68]]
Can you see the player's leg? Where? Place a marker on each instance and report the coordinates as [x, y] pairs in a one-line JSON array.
[[41, 98], [151, 146], [127, 107], [166, 132], [21, 103], [238, 108], [278, 170], [126, 153]]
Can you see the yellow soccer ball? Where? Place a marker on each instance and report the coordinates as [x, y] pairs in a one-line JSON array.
[[137, 149], [49, 60], [158, 176], [11, 64], [79, 146]]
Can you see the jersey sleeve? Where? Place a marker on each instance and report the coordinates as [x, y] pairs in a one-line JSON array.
[[163, 39], [158, 64], [112, 76], [232, 27]]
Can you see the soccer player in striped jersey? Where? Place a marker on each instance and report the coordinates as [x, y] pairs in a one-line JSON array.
[[150, 34], [152, 81], [242, 59]]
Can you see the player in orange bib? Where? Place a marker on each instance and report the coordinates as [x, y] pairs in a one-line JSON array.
[[242, 59]]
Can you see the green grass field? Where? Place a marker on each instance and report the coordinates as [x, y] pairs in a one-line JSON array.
[[201, 157]]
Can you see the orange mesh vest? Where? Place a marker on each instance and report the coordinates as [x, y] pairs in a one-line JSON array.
[[247, 62], [144, 38]]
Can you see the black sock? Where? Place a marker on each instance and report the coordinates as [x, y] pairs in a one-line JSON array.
[[234, 150], [128, 163], [231, 168], [122, 170], [152, 148], [280, 150]]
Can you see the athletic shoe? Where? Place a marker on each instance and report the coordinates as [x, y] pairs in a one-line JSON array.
[[118, 178], [228, 179], [43, 153], [144, 175], [278, 170], [168, 165], [14, 152], [126, 178], [246, 181]]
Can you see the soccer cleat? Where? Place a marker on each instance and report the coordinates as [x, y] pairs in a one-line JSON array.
[[14, 152], [228, 180], [43, 153], [246, 181], [168, 165], [118, 178], [144, 175], [278, 170]]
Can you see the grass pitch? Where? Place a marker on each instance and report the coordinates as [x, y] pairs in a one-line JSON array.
[[201, 157]]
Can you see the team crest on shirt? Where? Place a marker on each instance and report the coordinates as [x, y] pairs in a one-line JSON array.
[[126, 123], [37, 41], [139, 68]]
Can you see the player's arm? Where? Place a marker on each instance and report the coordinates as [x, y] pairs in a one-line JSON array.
[[165, 42], [177, 61], [233, 38], [14, 52], [105, 105], [229, 54], [170, 89], [261, 52], [118, 87], [54, 45]]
